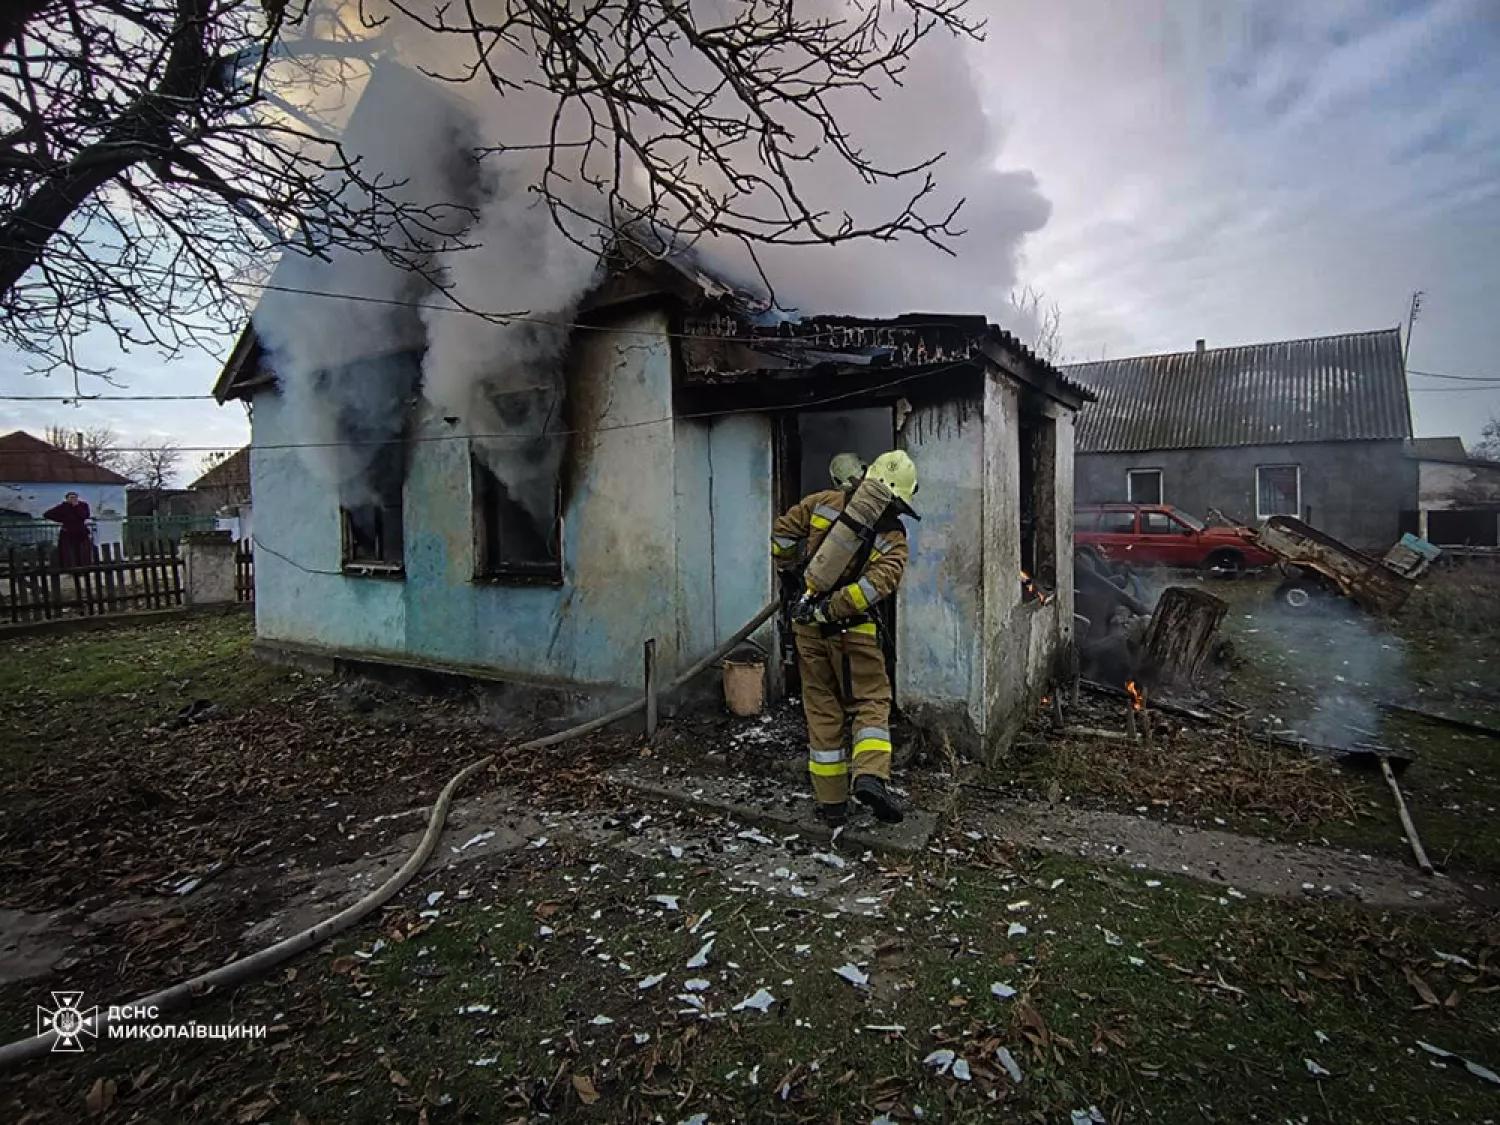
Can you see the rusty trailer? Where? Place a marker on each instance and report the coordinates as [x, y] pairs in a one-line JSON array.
[[1321, 566]]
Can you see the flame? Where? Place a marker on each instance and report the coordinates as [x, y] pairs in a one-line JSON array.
[[1137, 700], [1046, 699], [1033, 590]]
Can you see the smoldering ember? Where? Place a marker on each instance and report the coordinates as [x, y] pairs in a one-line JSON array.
[[653, 662]]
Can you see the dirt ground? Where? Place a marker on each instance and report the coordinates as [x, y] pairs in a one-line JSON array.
[[1091, 929]]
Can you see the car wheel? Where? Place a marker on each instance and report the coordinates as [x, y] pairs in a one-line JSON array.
[[1225, 564]]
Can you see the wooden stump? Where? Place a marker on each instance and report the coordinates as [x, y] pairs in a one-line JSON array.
[[1181, 636]]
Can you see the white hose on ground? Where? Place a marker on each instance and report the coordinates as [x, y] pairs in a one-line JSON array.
[[237, 972]]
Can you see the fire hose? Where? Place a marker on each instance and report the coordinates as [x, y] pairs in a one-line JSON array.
[[246, 968]]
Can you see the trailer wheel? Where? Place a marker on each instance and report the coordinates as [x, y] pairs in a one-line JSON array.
[[1298, 593]]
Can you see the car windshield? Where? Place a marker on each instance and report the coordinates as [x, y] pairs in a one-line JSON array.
[[1195, 524]]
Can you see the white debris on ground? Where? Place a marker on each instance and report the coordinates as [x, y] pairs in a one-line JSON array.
[[1315, 1070], [700, 959], [761, 1001], [1473, 1068], [651, 981], [1008, 1061], [940, 1060], [1002, 991], [669, 901], [851, 973]]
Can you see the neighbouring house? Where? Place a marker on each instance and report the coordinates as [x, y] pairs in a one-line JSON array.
[[1458, 496], [1309, 428], [36, 475], [224, 491], [689, 423]]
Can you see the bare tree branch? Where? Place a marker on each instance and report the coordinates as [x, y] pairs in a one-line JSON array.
[[152, 153]]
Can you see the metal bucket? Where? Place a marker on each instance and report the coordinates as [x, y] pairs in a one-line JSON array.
[[745, 684]]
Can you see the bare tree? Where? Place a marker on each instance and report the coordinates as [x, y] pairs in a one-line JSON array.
[[150, 152], [1488, 445], [1041, 320], [153, 468], [96, 444]]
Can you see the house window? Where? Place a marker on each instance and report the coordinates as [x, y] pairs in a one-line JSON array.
[[1278, 491], [373, 536], [373, 523], [1143, 486], [513, 541]]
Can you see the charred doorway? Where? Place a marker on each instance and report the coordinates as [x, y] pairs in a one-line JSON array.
[[808, 442]]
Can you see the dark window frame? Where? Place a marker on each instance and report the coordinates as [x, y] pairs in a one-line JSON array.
[[390, 557], [1296, 470], [483, 484], [1145, 470]]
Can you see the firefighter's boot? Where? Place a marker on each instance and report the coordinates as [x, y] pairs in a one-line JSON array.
[[875, 794], [834, 815]]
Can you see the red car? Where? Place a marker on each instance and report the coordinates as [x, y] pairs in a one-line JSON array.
[[1159, 535]]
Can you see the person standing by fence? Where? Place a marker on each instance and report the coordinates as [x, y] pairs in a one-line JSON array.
[[73, 541]]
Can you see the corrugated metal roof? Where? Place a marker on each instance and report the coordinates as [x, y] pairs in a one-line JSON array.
[[30, 460], [1330, 388]]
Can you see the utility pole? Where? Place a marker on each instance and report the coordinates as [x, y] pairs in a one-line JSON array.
[[1411, 318]]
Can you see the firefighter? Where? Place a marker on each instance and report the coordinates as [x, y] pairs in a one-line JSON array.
[[846, 471], [839, 656]]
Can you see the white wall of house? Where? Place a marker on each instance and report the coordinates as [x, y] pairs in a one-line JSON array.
[[106, 504]]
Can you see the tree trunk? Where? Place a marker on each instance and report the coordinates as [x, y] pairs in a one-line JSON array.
[[1181, 635]]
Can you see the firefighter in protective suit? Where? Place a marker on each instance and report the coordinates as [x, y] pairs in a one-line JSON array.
[[839, 656]]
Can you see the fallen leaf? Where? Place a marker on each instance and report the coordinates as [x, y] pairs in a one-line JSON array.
[[344, 964], [399, 1079], [300, 1118], [1423, 989], [253, 1111], [101, 1096], [585, 1089]]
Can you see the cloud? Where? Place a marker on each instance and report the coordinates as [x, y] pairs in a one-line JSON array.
[[1263, 170]]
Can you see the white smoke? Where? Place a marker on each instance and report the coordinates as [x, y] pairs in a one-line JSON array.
[[501, 384], [339, 361]]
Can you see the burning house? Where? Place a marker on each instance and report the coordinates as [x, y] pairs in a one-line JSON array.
[[530, 498], [683, 429]]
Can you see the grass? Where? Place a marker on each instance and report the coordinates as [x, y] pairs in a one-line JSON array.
[[1323, 678], [1149, 997], [1159, 998], [93, 684]]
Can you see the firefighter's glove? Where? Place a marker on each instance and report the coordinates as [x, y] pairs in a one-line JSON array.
[[811, 610]]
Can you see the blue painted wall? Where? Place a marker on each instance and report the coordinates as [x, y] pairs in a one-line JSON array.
[[940, 604], [653, 503]]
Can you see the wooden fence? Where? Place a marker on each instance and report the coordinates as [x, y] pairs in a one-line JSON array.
[[39, 588], [244, 571]]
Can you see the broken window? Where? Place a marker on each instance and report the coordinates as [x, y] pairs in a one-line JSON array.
[[1143, 486], [373, 524], [516, 540], [1278, 491]]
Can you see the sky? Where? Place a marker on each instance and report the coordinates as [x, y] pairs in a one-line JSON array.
[[1235, 171]]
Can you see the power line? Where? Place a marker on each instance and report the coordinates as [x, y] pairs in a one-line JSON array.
[[422, 439]]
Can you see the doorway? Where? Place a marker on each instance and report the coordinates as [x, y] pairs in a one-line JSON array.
[[813, 439]]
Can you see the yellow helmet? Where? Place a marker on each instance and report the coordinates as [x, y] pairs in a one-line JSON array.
[[897, 471], [846, 469]]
